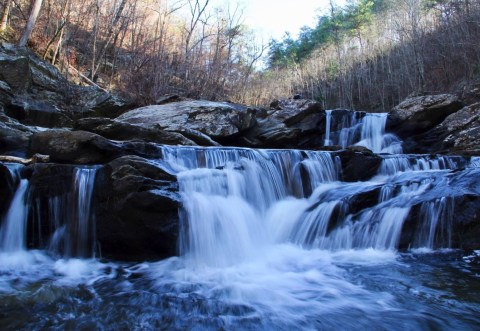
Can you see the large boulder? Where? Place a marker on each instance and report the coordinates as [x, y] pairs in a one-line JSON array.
[[138, 205], [218, 120], [463, 129], [416, 115], [81, 147]]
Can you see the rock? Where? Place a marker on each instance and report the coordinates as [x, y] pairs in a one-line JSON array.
[[466, 228], [292, 111], [117, 130], [94, 102], [36, 93], [14, 137], [358, 163], [419, 114], [81, 147], [459, 133], [33, 112], [292, 123], [459, 223], [8, 183], [138, 205], [15, 72], [463, 129], [215, 119]]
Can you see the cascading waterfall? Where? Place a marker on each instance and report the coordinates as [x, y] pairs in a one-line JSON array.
[[362, 129], [237, 201], [227, 199]]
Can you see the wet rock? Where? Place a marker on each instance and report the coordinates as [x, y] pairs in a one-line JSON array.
[[137, 216], [8, 183], [293, 111], [37, 113], [458, 222], [358, 164], [291, 123]]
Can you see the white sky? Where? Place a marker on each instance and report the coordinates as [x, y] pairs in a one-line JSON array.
[[271, 18]]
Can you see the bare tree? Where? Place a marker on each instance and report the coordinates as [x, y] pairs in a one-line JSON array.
[[32, 19], [5, 14]]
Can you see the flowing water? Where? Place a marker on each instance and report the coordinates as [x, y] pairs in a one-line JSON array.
[[270, 240]]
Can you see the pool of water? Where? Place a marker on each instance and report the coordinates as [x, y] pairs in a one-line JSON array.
[[284, 288]]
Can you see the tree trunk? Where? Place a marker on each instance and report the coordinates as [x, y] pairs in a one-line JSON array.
[[5, 14], [31, 22]]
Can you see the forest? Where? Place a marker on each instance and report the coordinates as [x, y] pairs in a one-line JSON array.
[[365, 55]]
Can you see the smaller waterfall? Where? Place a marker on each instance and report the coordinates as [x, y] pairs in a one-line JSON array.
[[436, 224], [392, 165], [328, 119], [81, 238], [361, 129], [13, 231]]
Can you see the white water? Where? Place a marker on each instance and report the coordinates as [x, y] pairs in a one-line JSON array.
[[13, 230], [239, 203]]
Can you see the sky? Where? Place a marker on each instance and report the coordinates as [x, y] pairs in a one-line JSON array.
[[271, 18]]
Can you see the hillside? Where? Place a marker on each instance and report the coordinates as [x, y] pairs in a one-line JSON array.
[[368, 55]]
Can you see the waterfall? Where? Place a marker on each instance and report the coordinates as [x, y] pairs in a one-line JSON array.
[[392, 165], [81, 227], [237, 201], [328, 120], [13, 230], [69, 216], [361, 129]]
